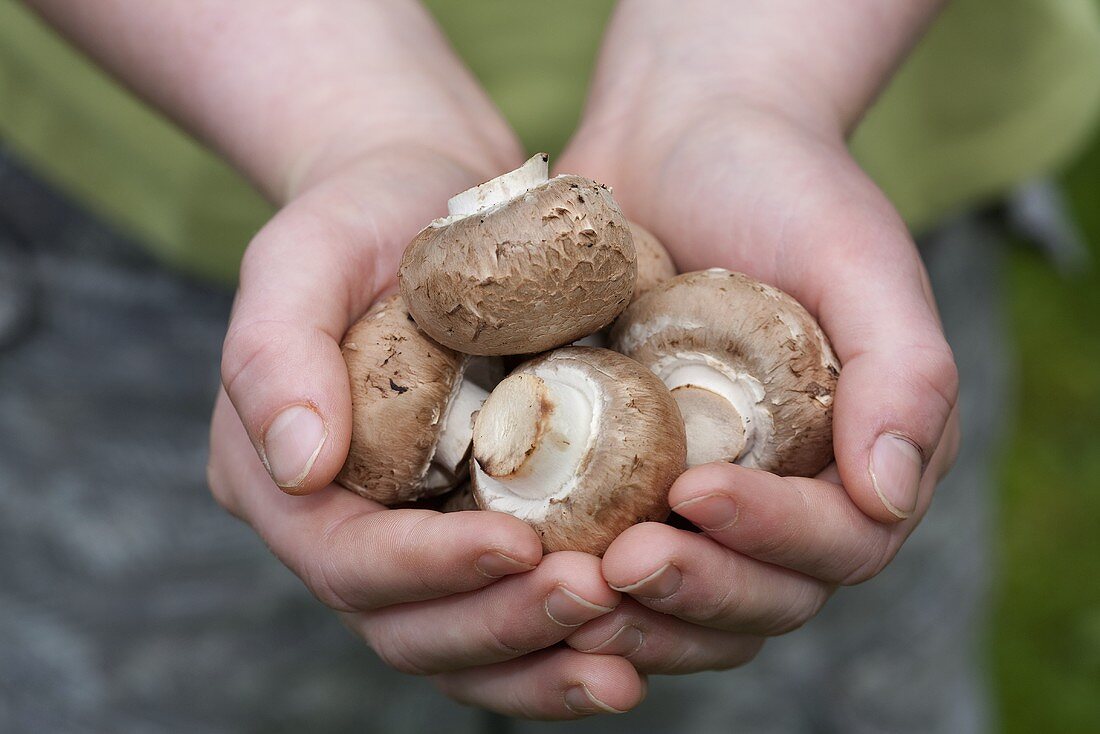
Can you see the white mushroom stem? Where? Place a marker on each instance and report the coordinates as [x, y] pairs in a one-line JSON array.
[[515, 183], [531, 439], [724, 413], [715, 429], [598, 339], [454, 439]]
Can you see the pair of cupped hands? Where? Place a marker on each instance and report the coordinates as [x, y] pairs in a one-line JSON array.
[[469, 598]]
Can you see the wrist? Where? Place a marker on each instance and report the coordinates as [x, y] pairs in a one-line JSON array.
[[289, 91], [637, 157], [817, 65], [482, 146]]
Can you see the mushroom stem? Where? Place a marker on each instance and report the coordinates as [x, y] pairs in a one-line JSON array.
[[596, 339], [532, 435], [454, 440], [722, 409], [534, 172], [715, 429]]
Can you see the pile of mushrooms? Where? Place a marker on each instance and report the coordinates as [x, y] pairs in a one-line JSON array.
[[581, 442]]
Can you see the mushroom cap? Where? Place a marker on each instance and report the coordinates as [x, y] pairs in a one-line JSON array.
[[635, 448], [654, 263], [401, 386], [758, 330], [537, 271]]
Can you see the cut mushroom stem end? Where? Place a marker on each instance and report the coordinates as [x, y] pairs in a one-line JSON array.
[[581, 444], [535, 172], [532, 435], [724, 413]]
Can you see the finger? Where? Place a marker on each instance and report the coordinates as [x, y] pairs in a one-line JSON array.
[[354, 554], [691, 577], [898, 384], [511, 618], [657, 643], [305, 277], [550, 685], [807, 525]]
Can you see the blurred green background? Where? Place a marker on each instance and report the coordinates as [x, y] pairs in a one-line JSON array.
[[1045, 643]]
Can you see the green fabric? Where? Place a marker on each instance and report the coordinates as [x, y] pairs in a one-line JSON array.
[[100, 145], [999, 90]]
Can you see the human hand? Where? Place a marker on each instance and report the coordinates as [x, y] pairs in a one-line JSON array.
[[396, 127], [465, 597], [763, 183]]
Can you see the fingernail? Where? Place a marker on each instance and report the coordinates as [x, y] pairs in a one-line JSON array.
[[895, 473], [580, 700], [570, 610], [625, 642], [291, 444], [712, 512], [663, 582], [494, 565]]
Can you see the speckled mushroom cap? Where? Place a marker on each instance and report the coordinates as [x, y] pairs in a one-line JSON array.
[[552, 264], [402, 384], [581, 443], [748, 343], [654, 263]]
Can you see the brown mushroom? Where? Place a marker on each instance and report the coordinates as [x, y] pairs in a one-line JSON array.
[[411, 409], [750, 369], [654, 263], [523, 264], [654, 266], [581, 443]]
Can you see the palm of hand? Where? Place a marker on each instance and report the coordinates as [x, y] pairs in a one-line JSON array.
[[752, 191]]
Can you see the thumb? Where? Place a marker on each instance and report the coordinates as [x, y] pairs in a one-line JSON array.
[[306, 276], [898, 381], [281, 361]]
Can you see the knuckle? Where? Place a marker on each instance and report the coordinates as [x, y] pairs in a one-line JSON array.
[[504, 643], [751, 650], [417, 554], [937, 370], [724, 609], [742, 653], [947, 372], [249, 344], [804, 608], [787, 539], [391, 647], [320, 577], [220, 489], [449, 685], [254, 255], [325, 573], [519, 701], [875, 560], [685, 660], [943, 460]]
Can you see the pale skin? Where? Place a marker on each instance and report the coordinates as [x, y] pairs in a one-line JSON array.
[[721, 126]]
